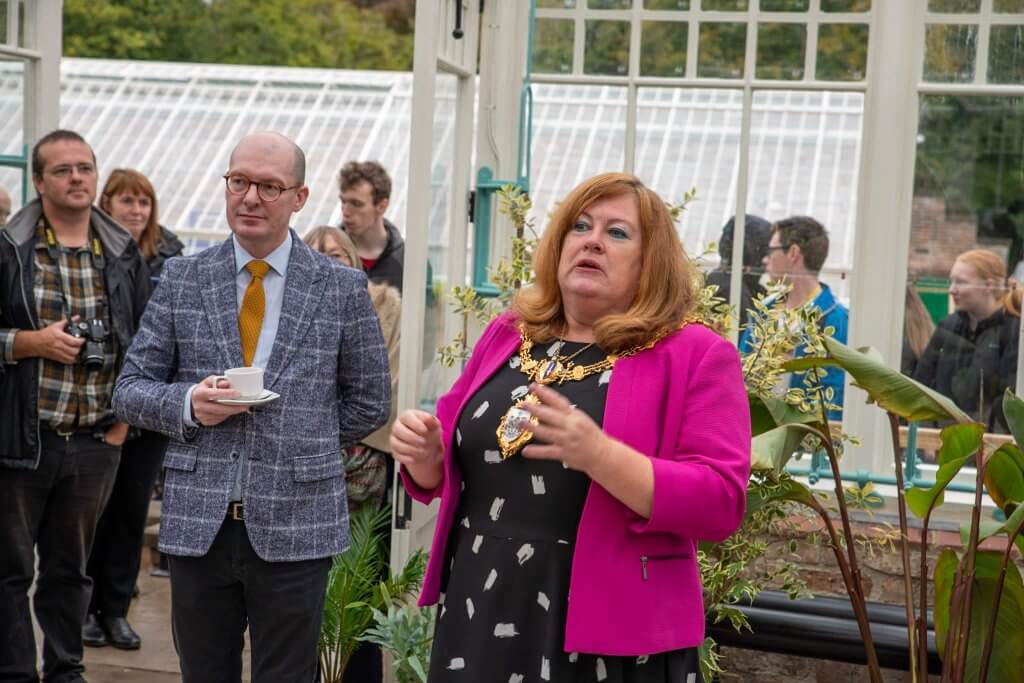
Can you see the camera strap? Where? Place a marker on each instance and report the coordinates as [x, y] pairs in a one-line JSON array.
[[53, 247]]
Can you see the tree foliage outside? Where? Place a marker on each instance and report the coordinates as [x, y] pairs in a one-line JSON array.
[[343, 34]]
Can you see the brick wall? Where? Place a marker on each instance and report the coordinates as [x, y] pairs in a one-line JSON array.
[[936, 239]]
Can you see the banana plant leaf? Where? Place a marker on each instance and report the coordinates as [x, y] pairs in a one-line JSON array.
[[889, 389], [1008, 644], [959, 443], [789, 489], [990, 527], [774, 448], [1004, 477], [768, 413], [1013, 410]]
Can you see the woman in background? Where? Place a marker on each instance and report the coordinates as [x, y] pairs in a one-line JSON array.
[[130, 199], [367, 471], [972, 356], [917, 331]]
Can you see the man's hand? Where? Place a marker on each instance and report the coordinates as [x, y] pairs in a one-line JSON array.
[[51, 342], [205, 411], [116, 435]]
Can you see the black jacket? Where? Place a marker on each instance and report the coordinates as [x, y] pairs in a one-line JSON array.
[[974, 368], [126, 282], [391, 262], [169, 246]]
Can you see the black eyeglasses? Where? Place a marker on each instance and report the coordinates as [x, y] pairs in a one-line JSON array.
[[268, 192], [773, 247]]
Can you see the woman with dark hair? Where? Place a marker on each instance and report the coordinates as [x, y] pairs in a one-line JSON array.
[[129, 198], [597, 433], [972, 356], [917, 330]]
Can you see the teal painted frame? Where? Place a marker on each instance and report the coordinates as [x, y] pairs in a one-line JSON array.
[[487, 185], [19, 162]]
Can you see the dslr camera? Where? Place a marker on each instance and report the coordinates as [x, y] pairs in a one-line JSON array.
[[95, 333]]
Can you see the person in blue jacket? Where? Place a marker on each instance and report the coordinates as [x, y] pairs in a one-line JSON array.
[[797, 250]]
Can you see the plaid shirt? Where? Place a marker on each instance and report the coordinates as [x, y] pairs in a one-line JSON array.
[[71, 395]]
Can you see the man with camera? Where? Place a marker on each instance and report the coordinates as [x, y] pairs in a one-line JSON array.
[[72, 289]]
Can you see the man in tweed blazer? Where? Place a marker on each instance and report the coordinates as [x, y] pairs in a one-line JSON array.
[[254, 499]]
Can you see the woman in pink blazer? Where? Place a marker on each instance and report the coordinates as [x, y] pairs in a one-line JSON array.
[[595, 436]]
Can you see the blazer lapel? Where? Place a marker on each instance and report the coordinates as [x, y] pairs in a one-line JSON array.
[[217, 289], [303, 289]]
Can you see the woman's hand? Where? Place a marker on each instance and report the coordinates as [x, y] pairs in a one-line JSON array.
[[574, 439], [571, 436], [416, 444]]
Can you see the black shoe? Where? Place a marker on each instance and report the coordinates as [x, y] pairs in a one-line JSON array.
[[120, 633], [92, 632]]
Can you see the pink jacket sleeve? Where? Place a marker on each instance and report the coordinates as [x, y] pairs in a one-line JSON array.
[[700, 491]]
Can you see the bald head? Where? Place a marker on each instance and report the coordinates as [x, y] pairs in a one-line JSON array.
[[5, 206], [270, 144]]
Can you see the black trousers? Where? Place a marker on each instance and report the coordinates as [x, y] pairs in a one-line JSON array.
[[214, 598], [53, 510], [117, 551]]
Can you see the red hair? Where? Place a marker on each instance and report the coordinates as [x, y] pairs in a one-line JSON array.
[[667, 289]]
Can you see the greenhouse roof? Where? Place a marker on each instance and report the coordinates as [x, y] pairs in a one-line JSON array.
[[177, 123]]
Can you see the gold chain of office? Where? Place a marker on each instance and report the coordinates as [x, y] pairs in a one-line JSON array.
[[514, 427]]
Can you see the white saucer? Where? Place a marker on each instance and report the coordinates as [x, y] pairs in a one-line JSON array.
[[266, 397]]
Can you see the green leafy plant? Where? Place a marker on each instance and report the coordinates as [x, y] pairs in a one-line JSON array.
[[360, 583], [406, 632], [979, 603]]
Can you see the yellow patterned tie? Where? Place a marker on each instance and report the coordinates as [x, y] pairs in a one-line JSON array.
[[250, 317]]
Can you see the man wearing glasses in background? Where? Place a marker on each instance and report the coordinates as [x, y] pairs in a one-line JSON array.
[[72, 289], [796, 253], [254, 498]]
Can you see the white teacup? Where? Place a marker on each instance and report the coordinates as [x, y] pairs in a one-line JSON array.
[[247, 381]]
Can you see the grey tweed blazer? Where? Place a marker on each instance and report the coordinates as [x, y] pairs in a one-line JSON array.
[[329, 365]]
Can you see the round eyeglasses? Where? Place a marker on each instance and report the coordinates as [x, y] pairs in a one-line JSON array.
[[268, 192]]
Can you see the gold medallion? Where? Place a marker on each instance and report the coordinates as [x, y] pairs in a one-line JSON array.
[[514, 427]]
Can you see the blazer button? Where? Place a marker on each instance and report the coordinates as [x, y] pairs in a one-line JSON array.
[[234, 456]]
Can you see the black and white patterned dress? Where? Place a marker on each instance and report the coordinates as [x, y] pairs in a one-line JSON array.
[[505, 586]]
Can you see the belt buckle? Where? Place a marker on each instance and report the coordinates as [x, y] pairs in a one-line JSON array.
[[236, 511], [64, 432]]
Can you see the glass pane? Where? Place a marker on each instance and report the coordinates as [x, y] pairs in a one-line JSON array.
[[1008, 6], [606, 50], [558, 4], [967, 6], [950, 52], [780, 51], [842, 52], [845, 5], [578, 131], [434, 380], [785, 5], [610, 4], [12, 84], [724, 5], [967, 236], [721, 50], [804, 153], [667, 4], [552, 46], [689, 138], [1006, 55], [663, 48]]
